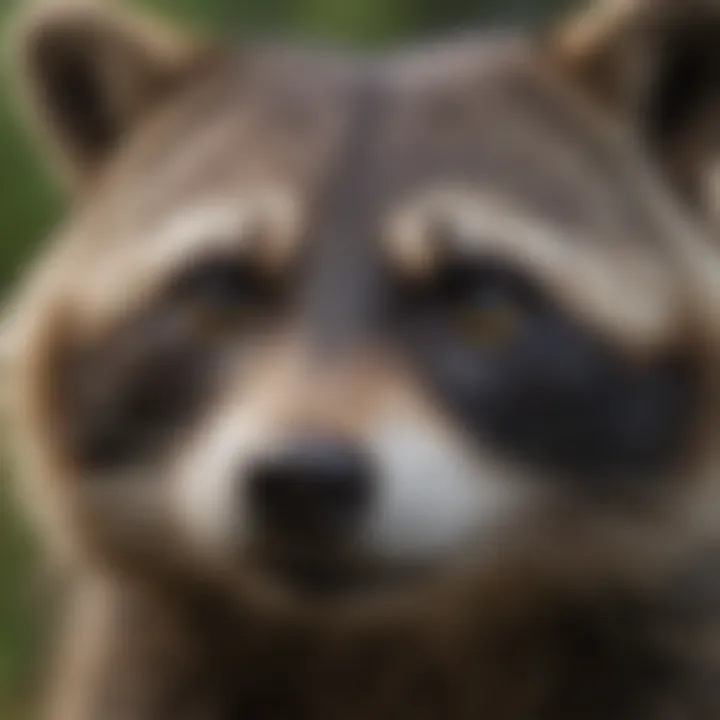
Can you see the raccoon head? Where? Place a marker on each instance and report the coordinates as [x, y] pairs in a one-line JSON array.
[[325, 325]]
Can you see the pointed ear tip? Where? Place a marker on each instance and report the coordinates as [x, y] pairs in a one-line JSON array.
[[33, 26], [47, 37], [35, 17], [593, 22], [41, 20]]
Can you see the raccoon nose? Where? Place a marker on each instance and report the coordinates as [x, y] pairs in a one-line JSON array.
[[309, 488]]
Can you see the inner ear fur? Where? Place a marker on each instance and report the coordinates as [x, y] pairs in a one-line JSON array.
[[655, 64], [90, 71]]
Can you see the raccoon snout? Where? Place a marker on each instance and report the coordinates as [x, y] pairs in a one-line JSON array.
[[310, 488]]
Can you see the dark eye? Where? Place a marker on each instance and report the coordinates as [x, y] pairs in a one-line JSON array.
[[221, 297], [488, 308], [526, 374]]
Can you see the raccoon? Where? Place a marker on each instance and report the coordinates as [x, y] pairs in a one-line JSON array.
[[376, 385]]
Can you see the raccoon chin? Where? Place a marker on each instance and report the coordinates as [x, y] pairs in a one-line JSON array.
[[333, 579]]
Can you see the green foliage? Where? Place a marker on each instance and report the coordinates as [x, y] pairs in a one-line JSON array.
[[364, 21], [28, 207], [17, 623]]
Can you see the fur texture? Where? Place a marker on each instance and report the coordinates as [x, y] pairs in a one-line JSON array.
[[488, 264]]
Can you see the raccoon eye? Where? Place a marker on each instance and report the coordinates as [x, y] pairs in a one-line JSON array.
[[220, 298], [215, 321], [487, 308], [488, 324]]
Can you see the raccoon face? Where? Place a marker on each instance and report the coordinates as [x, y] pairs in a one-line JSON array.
[[329, 326]]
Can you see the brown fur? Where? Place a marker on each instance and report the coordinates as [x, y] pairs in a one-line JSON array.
[[351, 174]]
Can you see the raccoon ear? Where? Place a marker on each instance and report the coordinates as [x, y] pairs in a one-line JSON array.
[[90, 72], [656, 64]]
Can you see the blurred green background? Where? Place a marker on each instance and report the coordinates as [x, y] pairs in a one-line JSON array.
[[29, 205]]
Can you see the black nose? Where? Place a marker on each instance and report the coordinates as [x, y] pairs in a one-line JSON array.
[[310, 488]]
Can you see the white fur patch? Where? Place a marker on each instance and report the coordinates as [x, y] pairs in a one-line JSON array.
[[434, 497], [210, 486]]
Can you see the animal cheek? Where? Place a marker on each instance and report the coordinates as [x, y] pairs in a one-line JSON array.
[[128, 515], [438, 498], [209, 480]]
